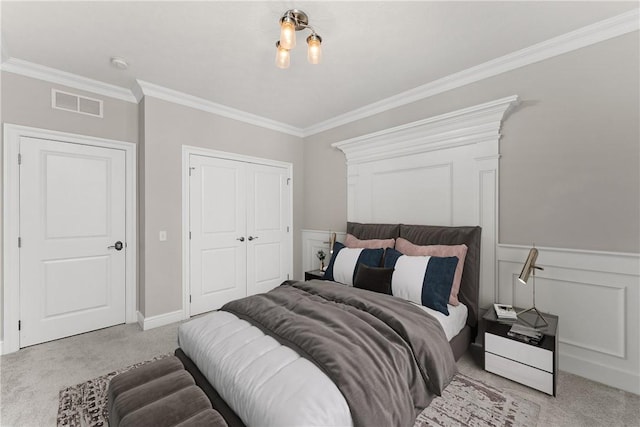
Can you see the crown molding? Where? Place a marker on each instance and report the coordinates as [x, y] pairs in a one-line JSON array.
[[586, 36], [471, 125], [40, 72], [142, 88], [582, 37]]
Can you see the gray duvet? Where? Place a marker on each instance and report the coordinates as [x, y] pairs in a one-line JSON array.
[[386, 356]]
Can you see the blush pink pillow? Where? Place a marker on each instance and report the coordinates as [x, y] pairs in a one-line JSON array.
[[353, 242], [408, 248]]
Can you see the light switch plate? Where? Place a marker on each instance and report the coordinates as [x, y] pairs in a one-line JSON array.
[[163, 236]]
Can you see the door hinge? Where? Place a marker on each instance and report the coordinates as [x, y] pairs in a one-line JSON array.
[[288, 181], [287, 228], [287, 277], [189, 235], [190, 169], [189, 299], [19, 325], [19, 158], [19, 242]]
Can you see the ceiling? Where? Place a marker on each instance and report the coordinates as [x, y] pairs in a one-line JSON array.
[[224, 52]]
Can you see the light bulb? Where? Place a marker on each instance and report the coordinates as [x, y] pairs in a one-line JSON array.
[[314, 51], [282, 57], [287, 33]]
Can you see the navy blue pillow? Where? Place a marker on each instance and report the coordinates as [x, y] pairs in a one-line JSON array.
[[427, 283], [390, 257], [370, 257]]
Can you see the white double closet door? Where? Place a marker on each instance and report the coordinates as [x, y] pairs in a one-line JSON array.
[[72, 213], [239, 220]]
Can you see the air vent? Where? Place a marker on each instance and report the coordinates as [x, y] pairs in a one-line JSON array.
[[61, 100]]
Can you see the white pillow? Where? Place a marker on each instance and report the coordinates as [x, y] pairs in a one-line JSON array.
[[344, 262], [408, 277], [425, 280], [345, 265]]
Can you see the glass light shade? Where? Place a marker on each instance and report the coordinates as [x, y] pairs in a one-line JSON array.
[[287, 34], [283, 59], [314, 51]]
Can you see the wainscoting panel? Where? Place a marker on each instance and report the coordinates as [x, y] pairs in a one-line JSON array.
[[596, 296], [433, 182], [312, 242]]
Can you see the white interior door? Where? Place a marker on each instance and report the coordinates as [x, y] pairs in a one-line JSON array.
[[218, 263], [72, 209], [268, 251]]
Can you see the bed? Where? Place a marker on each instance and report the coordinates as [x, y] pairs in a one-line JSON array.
[[275, 360]]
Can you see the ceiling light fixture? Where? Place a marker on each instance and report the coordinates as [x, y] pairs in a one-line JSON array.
[[295, 20]]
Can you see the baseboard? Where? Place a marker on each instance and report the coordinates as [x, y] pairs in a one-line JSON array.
[[627, 381], [151, 322]]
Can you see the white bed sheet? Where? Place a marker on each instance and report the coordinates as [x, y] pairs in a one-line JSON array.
[[245, 365], [454, 322], [264, 382]]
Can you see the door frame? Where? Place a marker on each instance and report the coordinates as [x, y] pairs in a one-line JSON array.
[[11, 222], [187, 151]]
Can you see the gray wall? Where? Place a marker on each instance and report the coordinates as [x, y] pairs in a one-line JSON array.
[[570, 166], [167, 127], [161, 129], [27, 102], [570, 170]]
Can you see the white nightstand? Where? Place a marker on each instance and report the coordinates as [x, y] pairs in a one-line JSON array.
[[535, 366]]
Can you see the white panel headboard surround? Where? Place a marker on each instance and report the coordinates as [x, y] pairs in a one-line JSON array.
[[442, 170]]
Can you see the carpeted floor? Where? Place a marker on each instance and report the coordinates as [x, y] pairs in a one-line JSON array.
[[31, 379], [465, 402]]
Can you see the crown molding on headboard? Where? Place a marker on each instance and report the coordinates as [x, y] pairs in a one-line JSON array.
[[466, 126], [442, 170]]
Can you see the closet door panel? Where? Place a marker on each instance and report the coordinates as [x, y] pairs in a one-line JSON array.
[[218, 226], [267, 228]]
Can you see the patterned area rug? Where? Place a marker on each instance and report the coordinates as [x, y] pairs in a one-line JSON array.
[[85, 404], [465, 402], [469, 402]]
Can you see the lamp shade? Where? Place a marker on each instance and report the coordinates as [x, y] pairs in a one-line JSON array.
[[314, 51], [283, 59], [529, 265], [287, 33]]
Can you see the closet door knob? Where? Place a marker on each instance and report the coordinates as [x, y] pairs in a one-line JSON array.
[[242, 239], [252, 238], [117, 246]]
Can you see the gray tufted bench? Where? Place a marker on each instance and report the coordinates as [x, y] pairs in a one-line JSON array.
[[159, 394]]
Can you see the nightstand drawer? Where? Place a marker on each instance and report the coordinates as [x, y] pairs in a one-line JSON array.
[[518, 351], [532, 377]]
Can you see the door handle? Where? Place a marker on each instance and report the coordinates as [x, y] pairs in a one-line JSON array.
[[252, 238], [242, 239], [117, 246]]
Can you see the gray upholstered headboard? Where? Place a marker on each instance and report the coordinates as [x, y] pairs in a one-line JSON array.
[[436, 235]]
